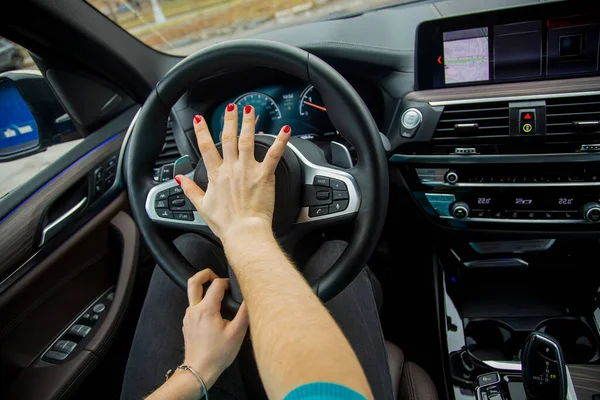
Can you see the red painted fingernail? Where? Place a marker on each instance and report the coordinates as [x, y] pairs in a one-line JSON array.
[[287, 129], [197, 119], [248, 109], [230, 107], [178, 180]]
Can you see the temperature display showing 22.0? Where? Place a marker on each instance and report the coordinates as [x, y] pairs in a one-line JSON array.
[[484, 200], [565, 201]]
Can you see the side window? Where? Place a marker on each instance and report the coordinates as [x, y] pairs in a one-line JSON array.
[[34, 128]]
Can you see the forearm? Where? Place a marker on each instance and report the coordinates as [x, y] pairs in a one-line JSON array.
[[295, 339]]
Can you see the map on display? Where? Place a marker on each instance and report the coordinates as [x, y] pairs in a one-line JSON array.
[[466, 56]]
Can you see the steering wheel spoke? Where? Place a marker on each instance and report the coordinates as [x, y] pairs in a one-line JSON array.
[[167, 205], [328, 192]]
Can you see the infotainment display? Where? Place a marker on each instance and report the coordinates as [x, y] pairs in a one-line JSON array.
[[519, 44]]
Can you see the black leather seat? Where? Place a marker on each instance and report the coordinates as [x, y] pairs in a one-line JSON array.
[[409, 381]]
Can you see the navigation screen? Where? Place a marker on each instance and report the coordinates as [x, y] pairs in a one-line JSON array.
[[466, 56]]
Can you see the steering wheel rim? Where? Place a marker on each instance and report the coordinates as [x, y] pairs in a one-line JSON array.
[[346, 110]]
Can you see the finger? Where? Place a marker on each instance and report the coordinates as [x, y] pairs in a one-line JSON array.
[[215, 293], [194, 285], [246, 141], [230, 130], [206, 145], [277, 148], [191, 190], [240, 322]]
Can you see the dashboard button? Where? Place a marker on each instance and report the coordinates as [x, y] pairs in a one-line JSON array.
[[337, 185], [498, 214], [569, 215], [318, 211], [481, 213], [338, 206], [164, 214], [548, 215], [411, 118], [513, 215], [321, 181], [529, 215]]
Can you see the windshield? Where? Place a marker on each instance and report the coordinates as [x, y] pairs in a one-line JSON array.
[[184, 26]]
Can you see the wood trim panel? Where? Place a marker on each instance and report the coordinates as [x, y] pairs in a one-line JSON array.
[[19, 228], [507, 90], [586, 379]]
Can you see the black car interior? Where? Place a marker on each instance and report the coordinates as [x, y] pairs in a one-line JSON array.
[[454, 146]]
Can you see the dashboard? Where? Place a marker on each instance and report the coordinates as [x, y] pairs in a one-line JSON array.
[[298, 105]]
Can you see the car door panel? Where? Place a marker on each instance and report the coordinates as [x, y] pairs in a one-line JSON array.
[[100, 258]]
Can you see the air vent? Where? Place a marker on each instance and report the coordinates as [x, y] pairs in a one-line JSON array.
[[572, 118], [169, 152], [483, 121]]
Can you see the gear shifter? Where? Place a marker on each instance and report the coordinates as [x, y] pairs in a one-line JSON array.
[[544, 368]]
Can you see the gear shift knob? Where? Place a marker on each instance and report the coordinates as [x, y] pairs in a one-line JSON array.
[[544, 368]]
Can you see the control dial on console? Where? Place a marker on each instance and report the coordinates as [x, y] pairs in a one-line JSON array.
[[591, 212], [460, 210], [451, 177]]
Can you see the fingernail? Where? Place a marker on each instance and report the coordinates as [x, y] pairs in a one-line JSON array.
[[197, 119], [287, 129], [230, 107], [178, 180], [247, 109]]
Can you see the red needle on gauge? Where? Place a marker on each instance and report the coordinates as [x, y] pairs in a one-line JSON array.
[[318, 107]]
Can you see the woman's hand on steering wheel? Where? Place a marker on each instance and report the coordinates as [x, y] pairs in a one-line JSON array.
[[240, 196]]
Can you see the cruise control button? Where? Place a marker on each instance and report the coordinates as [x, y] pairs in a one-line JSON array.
[[164, 214], [180, 203], [317, 211], [162, 195], [337, 185], [321, 181], [175, 190], [338, 206], [340, 195], [183, 216], [161, 204]]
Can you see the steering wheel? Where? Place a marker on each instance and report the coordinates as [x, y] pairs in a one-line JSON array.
[[302, 173]]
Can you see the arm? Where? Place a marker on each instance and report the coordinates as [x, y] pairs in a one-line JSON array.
[[295, 339]]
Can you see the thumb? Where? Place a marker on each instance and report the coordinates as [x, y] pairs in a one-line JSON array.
[[191, 190]]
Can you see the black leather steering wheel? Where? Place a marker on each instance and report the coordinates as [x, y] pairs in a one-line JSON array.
[[302, 165]]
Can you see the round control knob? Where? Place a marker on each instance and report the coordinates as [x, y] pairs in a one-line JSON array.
[[411, 118], [460, 210], [591, 212], [451, 177]]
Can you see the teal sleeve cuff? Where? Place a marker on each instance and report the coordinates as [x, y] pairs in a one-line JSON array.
[[323, 391]]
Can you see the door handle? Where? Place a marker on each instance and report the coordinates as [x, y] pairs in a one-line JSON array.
[[54, 226]]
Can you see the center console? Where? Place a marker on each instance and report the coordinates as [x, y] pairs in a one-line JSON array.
[[499, 147]]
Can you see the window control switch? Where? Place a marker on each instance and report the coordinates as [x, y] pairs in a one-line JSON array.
[[79, 330]]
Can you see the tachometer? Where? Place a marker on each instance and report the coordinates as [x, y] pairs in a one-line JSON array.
[[265, 109], [311, 102]]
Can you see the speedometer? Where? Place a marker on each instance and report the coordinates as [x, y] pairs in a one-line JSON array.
[[265, 110]]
